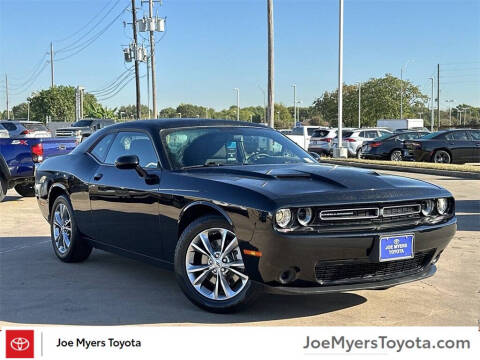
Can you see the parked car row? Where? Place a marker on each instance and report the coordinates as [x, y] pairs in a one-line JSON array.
[[416, 144]]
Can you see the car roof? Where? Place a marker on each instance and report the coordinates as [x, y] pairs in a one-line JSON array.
[[183, 122]]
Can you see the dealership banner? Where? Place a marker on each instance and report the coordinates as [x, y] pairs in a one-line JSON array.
[[236, 342]]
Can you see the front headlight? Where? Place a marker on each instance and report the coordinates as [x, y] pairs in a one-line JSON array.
[[442, 205], [283, 217], [304, 216], [427, 207]]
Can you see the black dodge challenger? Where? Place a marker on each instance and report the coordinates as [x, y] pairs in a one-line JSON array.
[[236, 207]]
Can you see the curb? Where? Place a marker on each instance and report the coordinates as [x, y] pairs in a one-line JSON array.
[[459, 174]]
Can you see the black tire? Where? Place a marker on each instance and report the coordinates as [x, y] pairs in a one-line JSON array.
[[235, 303], [442, 157], [3, 188], [396, 155], [79, 249], [25, 190]]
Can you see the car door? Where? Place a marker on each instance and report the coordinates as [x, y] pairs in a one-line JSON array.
[[460, 146], [124, 206], [475, 135]]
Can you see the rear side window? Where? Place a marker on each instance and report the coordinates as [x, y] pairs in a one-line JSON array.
[[475, 134], [100, 150], [9, 126], [371, 134], [457, 135], [297, 131], [133, 143], [310, 131]]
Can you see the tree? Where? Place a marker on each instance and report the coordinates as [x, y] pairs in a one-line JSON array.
[[168, 113], [20, 111], [380, 100], [130, 112]]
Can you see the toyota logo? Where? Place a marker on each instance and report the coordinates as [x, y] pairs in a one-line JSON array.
[[396, 241], [19, 344]]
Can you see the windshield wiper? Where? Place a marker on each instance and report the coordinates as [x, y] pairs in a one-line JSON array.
[[209, 164]]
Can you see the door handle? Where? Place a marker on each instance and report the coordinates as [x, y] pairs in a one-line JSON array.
[[97, 177]]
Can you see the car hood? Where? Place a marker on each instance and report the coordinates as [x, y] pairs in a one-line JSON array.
[[313, 183]]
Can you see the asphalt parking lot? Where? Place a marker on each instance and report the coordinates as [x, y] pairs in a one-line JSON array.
[[36, 288]]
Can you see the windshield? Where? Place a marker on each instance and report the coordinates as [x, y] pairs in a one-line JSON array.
[[82, 123], [320, 133], [210, 146], [34, 126]]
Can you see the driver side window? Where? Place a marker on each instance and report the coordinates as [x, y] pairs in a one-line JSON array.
[[133, 143]]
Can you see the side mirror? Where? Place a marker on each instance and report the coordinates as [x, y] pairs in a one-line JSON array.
[[131, 162], [315, 156], [127, 162]]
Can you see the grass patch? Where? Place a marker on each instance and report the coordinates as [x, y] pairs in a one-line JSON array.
[[412, 164]]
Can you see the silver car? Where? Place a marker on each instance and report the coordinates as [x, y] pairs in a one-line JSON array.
[[353, 139], [24, 129]]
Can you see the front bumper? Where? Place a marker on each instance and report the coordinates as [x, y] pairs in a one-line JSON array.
[[303, 255], [382, 284]]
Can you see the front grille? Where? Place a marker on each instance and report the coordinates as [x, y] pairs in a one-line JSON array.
[[349, 214], [346, 272], [66, 133], [400, 210]]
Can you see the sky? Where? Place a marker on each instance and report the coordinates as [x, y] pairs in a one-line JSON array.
[[211, 47]]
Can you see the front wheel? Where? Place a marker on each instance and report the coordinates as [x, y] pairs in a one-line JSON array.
[[68, 244], [209, 266], [442, 157], [25, 190]]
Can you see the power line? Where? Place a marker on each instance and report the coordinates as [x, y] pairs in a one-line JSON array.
[[118, 91], [86, 25], [32, 81], [73, 45], [93, 38], [114, 85]]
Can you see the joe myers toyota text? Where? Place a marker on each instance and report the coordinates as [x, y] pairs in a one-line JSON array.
[[236, 207]]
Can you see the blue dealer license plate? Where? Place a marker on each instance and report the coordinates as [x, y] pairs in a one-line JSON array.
[[396, 247]]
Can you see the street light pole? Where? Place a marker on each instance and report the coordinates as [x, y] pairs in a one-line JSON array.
[[450, 110], [359, 104], [294, 103], [340, 151], [401, 88], [238, 103], [432, 119], [271, 98]]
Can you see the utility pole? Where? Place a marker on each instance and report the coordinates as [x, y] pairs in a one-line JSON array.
[[294, 103], [152, 61], [51, 64], [6, 90], [238, 103], [432, 118], [438, 95], [359, 104], [271, 101], [148, 89], [28, 110], [135, 42]]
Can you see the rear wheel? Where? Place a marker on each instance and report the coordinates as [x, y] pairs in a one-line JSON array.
[[3, 188], [359, 153], [396, 155], [68, 244], [210, 268], [25, 190], [442, 157]]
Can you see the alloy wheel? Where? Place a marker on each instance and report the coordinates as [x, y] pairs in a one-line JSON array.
[[62, 228], [442, 157], [396, 156], [214, 264]]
